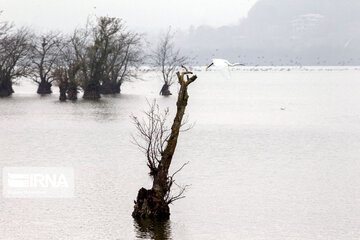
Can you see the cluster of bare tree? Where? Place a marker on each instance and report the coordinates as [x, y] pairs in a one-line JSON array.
[[107, 55], [97, 58]]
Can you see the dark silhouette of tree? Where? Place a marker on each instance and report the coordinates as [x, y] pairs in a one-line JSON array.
[[106, 54], [125, 57], [158, 142], [61, 78], [85, 57], [45, 52], [68, 71], [14, 61], [167, 58]]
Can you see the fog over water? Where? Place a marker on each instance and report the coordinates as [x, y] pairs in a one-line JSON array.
[[263, 32], [256, 171], [274, 151], [283, 32]]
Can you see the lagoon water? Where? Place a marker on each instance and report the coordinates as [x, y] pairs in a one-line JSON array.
[[273, 155]]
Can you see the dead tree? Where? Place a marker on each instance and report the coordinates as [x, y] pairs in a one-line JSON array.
[[159, 143], [167, 58], [45, 52]]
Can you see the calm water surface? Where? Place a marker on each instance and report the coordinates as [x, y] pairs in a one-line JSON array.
[[256, 171]]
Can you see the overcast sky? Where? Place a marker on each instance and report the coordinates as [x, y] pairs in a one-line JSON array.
[[143, 15], [252, 31], [284, 32]]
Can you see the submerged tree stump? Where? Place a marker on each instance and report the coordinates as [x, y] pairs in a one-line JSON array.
[[154, 203]]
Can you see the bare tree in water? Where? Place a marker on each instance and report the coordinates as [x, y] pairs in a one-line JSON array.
[[106, 54], [167, 58], [123, 61], [87, 55], [14, 52], [67, 73], [158, 142], [45, 52], [61, 78]]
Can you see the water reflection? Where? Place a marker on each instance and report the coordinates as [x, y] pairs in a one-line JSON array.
[[152, 229], [101, 110]]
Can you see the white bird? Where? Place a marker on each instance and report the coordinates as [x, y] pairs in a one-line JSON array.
[[223, 66], [347, 43]]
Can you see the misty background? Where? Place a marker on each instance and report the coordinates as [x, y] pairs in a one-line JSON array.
[[263, 32], [283, 32]]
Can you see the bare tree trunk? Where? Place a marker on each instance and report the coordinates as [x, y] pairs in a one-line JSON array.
[[153, 203], [44, 88], [106, 87], [165, 91], [92, 91], [117, 88], [72, 93], [62, 96], [109, 87], [6, 88]]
